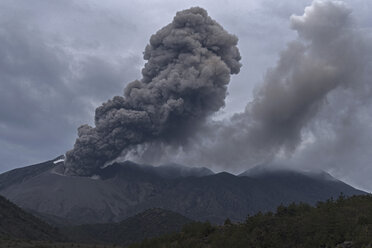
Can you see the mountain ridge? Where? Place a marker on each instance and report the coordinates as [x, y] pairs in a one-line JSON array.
[[124, 189]]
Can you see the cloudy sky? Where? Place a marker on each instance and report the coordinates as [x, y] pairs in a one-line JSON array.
[[62, 59]]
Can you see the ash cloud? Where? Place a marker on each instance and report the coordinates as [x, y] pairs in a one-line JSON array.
[[329, 56], [184, 81], [304, 112]]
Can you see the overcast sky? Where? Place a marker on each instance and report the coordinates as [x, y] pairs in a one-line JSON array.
[[59, 60]]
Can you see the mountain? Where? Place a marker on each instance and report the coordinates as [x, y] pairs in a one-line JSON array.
[[148, 224], [18, 175], [15, 223], [125, 189]]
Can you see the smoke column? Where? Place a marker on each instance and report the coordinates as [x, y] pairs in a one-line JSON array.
[[329, 55], [185, 79]]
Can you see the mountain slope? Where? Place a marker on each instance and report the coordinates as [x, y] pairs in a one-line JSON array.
[[17, 224], [148, 224], [21, 174], [124, 189]]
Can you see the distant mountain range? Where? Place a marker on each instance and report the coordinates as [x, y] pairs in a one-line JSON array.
[[125, 189]]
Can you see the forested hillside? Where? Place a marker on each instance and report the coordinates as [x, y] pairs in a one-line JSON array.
[[334, 223]]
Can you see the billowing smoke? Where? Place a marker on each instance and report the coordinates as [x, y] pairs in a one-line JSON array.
[[319, 81], [329, 55], [185, 79]]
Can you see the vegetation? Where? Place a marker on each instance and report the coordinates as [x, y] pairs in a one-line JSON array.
[[328, 224], [345, 222]]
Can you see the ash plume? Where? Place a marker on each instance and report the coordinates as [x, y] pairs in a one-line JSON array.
[[329, 55], [185, 79]]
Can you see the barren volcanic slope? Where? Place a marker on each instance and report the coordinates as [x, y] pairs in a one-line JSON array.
[[124, 189]]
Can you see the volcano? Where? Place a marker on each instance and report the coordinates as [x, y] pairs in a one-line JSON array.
[[124, 189]]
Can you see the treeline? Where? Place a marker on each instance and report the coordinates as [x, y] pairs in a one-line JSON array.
[[334, 223]]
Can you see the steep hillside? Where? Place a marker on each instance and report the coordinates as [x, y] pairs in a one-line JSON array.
[[17, 224], [21, 174]]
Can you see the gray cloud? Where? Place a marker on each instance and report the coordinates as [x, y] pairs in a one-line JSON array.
[[112, 34], [330, 55], [184, 81], [48, 87], [84, 42]]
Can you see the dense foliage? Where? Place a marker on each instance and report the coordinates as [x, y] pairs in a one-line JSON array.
[[328, 224]]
